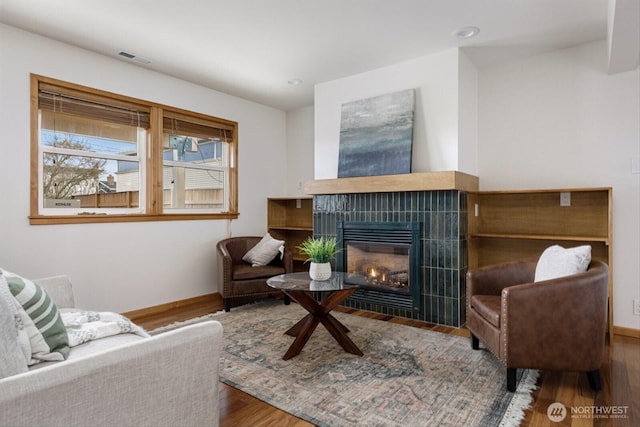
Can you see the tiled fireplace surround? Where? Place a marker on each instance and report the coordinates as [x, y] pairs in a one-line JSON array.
[[442, 215]]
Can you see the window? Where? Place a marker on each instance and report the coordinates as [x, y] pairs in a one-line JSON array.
[[101, 157], [194, 163]]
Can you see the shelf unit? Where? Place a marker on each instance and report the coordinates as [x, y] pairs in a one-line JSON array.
[[508, 225], [291, 219]]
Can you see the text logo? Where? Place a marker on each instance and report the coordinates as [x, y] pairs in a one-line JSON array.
[[556, 412]]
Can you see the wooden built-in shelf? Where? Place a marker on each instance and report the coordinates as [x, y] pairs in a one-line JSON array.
[[507, 225], [291, 219]]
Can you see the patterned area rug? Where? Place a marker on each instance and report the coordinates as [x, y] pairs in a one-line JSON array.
[[407, 376]]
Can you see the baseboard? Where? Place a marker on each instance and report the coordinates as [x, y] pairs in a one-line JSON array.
[[626, 332], [213, 298]]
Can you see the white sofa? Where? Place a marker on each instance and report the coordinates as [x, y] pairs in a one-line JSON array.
[[170, 379]]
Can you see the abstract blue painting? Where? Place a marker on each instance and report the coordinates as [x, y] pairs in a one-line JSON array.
[[376, 135]]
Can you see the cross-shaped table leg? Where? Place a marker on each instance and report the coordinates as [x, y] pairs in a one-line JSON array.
[[319, 313]]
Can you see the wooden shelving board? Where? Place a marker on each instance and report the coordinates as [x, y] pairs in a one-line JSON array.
[[421, 181]]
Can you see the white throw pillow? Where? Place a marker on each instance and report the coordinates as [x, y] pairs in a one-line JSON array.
[[12, 359], [557, 261], [264, 252]]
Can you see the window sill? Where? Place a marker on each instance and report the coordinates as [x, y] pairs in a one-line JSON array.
[[100, 218]]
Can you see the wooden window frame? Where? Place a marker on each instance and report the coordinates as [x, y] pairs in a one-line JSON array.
[[152, 179]]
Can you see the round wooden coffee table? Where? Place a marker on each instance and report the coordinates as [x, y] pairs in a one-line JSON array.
[[301, 288]]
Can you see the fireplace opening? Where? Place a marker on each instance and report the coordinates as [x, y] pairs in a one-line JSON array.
[[384, 260], [379, 265]]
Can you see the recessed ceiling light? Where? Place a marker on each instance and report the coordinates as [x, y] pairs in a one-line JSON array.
[[295, 82], [466, 32]]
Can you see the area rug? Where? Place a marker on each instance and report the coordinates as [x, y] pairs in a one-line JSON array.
[[407, 376]]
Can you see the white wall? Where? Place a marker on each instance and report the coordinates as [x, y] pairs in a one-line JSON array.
[[299, 149], [553, 120], [124, 266], [435, 138], [559, 120], [467, 115]]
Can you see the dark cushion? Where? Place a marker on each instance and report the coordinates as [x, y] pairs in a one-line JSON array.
[[487, 306], [247, 272]]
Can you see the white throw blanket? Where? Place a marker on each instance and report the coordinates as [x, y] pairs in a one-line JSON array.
[[83, 326]]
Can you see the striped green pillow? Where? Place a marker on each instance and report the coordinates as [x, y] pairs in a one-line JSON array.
[[40, 318]]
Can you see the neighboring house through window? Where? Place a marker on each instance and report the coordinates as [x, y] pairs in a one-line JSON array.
[[102, 157]]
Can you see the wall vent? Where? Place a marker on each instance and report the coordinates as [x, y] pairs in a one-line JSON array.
[[134, 57]]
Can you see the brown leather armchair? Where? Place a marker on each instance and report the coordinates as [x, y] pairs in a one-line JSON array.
[[555, 325], [238, 279]]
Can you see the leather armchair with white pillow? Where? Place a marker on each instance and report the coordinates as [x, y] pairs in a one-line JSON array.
[[557, 324], [240, 277]]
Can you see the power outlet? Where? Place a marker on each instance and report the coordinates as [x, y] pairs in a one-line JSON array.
[[636, 307]]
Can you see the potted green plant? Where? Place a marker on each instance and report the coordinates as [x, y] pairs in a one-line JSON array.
[[320, 251]]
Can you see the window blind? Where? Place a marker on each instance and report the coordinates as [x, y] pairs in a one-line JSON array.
[[176, 124], [50, 99]]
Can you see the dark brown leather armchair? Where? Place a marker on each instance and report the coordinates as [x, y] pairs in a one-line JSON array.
[[555, 325], [238, 279]]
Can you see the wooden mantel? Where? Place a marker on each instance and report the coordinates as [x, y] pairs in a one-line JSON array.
[[422, 181]]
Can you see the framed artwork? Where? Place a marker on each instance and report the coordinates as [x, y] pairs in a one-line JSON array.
[[376, 135]]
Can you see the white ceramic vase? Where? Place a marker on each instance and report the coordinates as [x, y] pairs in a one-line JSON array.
[[320, 271]]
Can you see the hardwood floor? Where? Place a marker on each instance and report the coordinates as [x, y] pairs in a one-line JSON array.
[[620, 376]]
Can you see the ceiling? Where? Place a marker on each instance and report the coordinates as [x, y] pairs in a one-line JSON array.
[[252, 48]]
